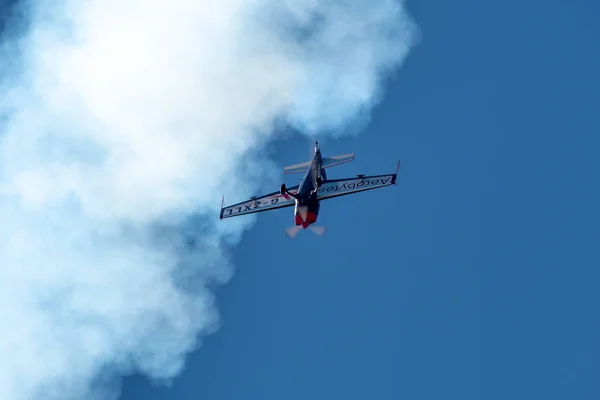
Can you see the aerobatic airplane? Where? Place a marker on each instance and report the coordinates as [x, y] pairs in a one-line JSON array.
[[313, 188]]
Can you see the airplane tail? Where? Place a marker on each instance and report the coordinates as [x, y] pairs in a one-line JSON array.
[[292, 231], [327, 162]]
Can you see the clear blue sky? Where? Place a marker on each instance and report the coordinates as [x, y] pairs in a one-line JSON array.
[[476, 277]]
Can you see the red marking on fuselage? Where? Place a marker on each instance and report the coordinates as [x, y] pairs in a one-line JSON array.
[[311, 218]]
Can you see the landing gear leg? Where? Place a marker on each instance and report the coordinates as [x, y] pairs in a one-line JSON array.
[[284, 192]]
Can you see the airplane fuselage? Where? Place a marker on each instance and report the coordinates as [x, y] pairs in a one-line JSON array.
[[306, 210]]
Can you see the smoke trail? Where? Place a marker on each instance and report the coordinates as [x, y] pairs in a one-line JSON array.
[[119, 121]]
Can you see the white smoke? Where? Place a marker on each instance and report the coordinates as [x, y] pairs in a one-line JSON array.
[[121, 125]]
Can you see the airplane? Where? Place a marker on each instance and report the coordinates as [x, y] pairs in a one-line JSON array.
[[313, 188]]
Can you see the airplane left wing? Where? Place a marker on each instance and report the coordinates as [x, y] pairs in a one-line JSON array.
[[271, 201], [341, 187]]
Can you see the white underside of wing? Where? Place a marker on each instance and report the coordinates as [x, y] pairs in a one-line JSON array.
[[353, 185], [263, 203]]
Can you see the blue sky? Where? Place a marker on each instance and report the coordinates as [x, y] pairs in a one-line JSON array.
[[477, 275]]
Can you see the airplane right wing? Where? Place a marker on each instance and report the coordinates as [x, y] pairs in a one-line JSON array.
[[267, 202], [341, 187]]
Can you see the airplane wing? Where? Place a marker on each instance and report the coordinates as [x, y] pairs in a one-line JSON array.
[[341, 187], [271, 201]]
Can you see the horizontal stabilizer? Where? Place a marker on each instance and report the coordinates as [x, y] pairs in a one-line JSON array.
[[337, 160], [297, 168], [326, 162]]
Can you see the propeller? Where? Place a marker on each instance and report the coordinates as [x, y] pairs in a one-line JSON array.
[[318, 230], [292, 231]]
